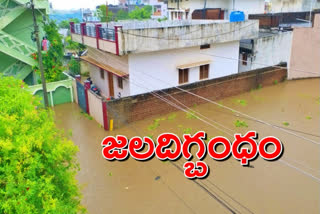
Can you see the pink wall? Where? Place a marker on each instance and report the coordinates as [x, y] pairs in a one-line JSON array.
[[305, 53]]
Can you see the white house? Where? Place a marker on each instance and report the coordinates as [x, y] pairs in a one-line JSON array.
[[130, 58], [183, 9], [269, 49]]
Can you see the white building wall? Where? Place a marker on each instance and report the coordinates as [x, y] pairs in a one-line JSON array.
[[278, 6], [247, 6], [269, 51], [118, 92], [158, 70]]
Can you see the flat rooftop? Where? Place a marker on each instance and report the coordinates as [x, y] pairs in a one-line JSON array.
[[128, 37], [136, 25]]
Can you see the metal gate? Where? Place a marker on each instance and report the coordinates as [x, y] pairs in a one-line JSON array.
[[81, 96]]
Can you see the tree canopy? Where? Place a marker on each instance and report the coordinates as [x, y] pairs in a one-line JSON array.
[[52, 59], [37, 163], [66, 23], [138, 13]]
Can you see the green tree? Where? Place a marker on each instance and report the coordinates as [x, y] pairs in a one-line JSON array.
[[102, 14], [74, 46], [52, 59], [74, 66], [141, 13], [122, 15], [66, 23], [37, 163]]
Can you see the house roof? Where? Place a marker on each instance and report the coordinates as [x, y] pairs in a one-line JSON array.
[[104, 66]]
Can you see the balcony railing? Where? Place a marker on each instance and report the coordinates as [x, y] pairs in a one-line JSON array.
[[93, 30]]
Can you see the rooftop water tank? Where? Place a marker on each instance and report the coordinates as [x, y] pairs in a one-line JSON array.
[[237, 16]]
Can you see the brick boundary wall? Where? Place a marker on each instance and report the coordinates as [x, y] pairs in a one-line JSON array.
[[139, 107]]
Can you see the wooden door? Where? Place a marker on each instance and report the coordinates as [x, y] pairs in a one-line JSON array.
[[111, 87]]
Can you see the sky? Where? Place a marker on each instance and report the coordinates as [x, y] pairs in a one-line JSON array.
[[76, 4]]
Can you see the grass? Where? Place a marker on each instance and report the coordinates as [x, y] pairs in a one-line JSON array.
[[240, 123], [285, 124], [259, 86], [308, 117]]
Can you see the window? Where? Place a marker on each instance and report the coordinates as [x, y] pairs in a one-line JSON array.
[[102, 74], [120, 83], [244, 59], [204, 72], [205, 46], [183, 76]]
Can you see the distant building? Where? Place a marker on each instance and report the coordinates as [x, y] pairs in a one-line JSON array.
[[16, 44], [184, 9], [159, 8], [130, 58], [278, 6]]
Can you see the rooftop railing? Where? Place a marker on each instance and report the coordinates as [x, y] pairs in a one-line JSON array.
[[93, 30]]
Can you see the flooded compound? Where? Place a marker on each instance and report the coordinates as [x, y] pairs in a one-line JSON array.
[[289, 185]]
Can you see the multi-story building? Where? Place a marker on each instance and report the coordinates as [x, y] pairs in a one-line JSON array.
[[16, 44], [130, 58], [183, 9], [159, 7]]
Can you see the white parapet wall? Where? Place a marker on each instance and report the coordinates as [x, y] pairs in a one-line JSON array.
[[185, 35]]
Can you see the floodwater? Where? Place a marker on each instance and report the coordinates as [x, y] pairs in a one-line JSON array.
[[291, 185]]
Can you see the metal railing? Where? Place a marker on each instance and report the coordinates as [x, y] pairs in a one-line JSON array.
[[107, 33], [90, 30], [77, 28]]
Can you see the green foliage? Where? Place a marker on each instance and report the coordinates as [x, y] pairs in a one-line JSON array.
[[240, 123], [66, 23], [172, 116], [162, 19], [74, 46], [122, 15], [242, 102], [141, 13], [74, 66], [154, 125], [52, 59], [285, 124], [308, 117], [187, 131], [191, 115], [275, 82], [259, 86], [102, 14], [37, 163]]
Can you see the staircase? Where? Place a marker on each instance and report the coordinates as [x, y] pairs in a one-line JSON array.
[[10, 10]]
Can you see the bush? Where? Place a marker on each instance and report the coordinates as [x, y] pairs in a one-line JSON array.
[[74, 67], [37, 163]]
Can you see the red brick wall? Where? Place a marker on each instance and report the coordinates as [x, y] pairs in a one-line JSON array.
[[146, 105]]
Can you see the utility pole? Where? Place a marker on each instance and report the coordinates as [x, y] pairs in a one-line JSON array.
[[36, 33]]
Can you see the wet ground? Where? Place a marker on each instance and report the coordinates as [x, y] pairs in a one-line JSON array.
[[291, 185]]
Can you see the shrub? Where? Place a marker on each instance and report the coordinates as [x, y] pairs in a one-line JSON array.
[[37, 163]]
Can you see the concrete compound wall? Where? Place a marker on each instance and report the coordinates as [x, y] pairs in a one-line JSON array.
[[142, 106], [268, 51], [305, 54], [158, 70], [95, 103]]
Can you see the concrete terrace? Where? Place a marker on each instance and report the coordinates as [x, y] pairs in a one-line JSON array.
[[122, 38]]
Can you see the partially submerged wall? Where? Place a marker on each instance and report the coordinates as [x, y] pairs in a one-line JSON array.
[[139, 107]]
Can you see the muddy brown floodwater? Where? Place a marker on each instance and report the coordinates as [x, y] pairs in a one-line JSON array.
[[160, 187]]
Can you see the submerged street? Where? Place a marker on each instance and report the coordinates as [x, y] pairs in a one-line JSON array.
[[289, 185]]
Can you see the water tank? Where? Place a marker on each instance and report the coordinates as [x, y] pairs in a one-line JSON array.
[[237, 16]]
